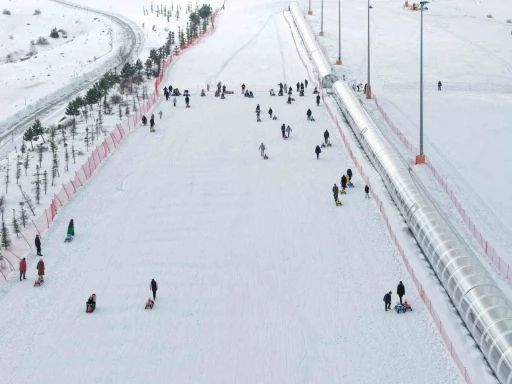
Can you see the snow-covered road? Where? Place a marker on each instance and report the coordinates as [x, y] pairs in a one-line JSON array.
[[262, 279]]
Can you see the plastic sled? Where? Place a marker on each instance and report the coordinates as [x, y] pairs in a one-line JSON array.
[[89, 308], [229, 93], [350, 185], [285, 137], [312, 119], [407, 306], [258, 120], [342, 191], [399, 308], [39, 282], [152, 130], [274, 118], [68, 239], [149, 304], [323, 145], [265, 157], [188, 106], [329, 144], [338, 203]]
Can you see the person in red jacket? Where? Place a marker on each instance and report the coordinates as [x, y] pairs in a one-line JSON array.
[[23, 268]]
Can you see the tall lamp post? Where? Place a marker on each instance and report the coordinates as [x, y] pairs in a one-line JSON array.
[[338, 62], [322, 20], [420, 159], [310, 12], [368, 84]]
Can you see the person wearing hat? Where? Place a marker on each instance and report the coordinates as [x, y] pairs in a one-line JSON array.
[[400, 291], [387, 301]]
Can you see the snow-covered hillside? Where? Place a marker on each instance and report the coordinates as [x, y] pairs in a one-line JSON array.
[[261, 278]]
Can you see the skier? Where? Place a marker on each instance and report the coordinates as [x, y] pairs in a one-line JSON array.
[[187, 101], [262, 149], [270, 112], [335, 192], [23, 268], [38, 245], [318, 151], [174, 101], [152, 122], [326, 136], [400, 291], [387, 301], [71, 228], [343, 183], [288, 130], [308, 114], [92, 302], [306, 83], [144, 120], [153, 286], [367, 191], [283, 128], [243, 88], [298, 86], [40, 269], [160, 114], [317, 100], [439, 85]]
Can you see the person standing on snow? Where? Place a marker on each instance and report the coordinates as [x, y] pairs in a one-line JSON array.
[[23, 268], [308, 114], [290, 91], [298, 86], [343, 183], [174, 101], [71, 228], [187, 101], [258, 109], [160, 114], [152, 122], [302, 87], [288, 130], [387, 301], [207, 87], [243, 89], [439, 85], [38, 245], [270, 112], [282, 130], [367, 191], [317, 100], [40, 268], [400, 291], [306, 82], [262, 149], [335, 191], [326, 136], [349, 174], [153, 286], [318, 151]]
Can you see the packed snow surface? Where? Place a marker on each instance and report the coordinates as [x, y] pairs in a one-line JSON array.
[[261, 278], [467, 46]]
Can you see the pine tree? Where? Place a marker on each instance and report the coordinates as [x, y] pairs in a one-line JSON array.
[[6, 178], [29, 136], [23, 214], [40, 151], [27, 199], [15, 225], [6, 240], [23, 148], [148, 66], [26, 163], [37, 185], [55, 167], [120, 112], [45, 181], [38, 130], [86, 139], [66, 157], [18, 168]]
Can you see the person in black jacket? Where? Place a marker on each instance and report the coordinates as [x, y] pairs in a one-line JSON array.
[[153, 286], [367, 191], [308, 114], [335, 192], [318, 151], [349, 174], [387, 301], [343, 182], [326, 136], [38, 245], [317, 100], [306, 83], [270, 112], [400, 291], [187, 101], [298, 86], [283, 128]]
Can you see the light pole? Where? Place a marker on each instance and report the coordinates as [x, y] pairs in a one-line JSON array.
[[368, 86], [322, 20], [420, 159], [310, 12], [338, 62]]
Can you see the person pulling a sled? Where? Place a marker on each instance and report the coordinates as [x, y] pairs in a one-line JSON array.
[[326, 136], [283, 128], [40, 269], [318, 151], [343, 183], [317, 100], [288, 130], [270, 112], [23, 269], [400, 291], [153, 286]]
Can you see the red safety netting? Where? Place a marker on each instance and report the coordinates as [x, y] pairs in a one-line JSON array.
[[38, 226], [500, 265]]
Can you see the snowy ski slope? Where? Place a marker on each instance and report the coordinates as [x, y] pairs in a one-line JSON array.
[[262, 279]]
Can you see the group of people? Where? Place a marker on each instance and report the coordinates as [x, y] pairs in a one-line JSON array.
[[400, 291]]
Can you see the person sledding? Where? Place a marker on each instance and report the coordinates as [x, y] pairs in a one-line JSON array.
[[326, 136], [144, 120], [40, 272], [315, 91], [272, 92], [149, 303], [91, 303]]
